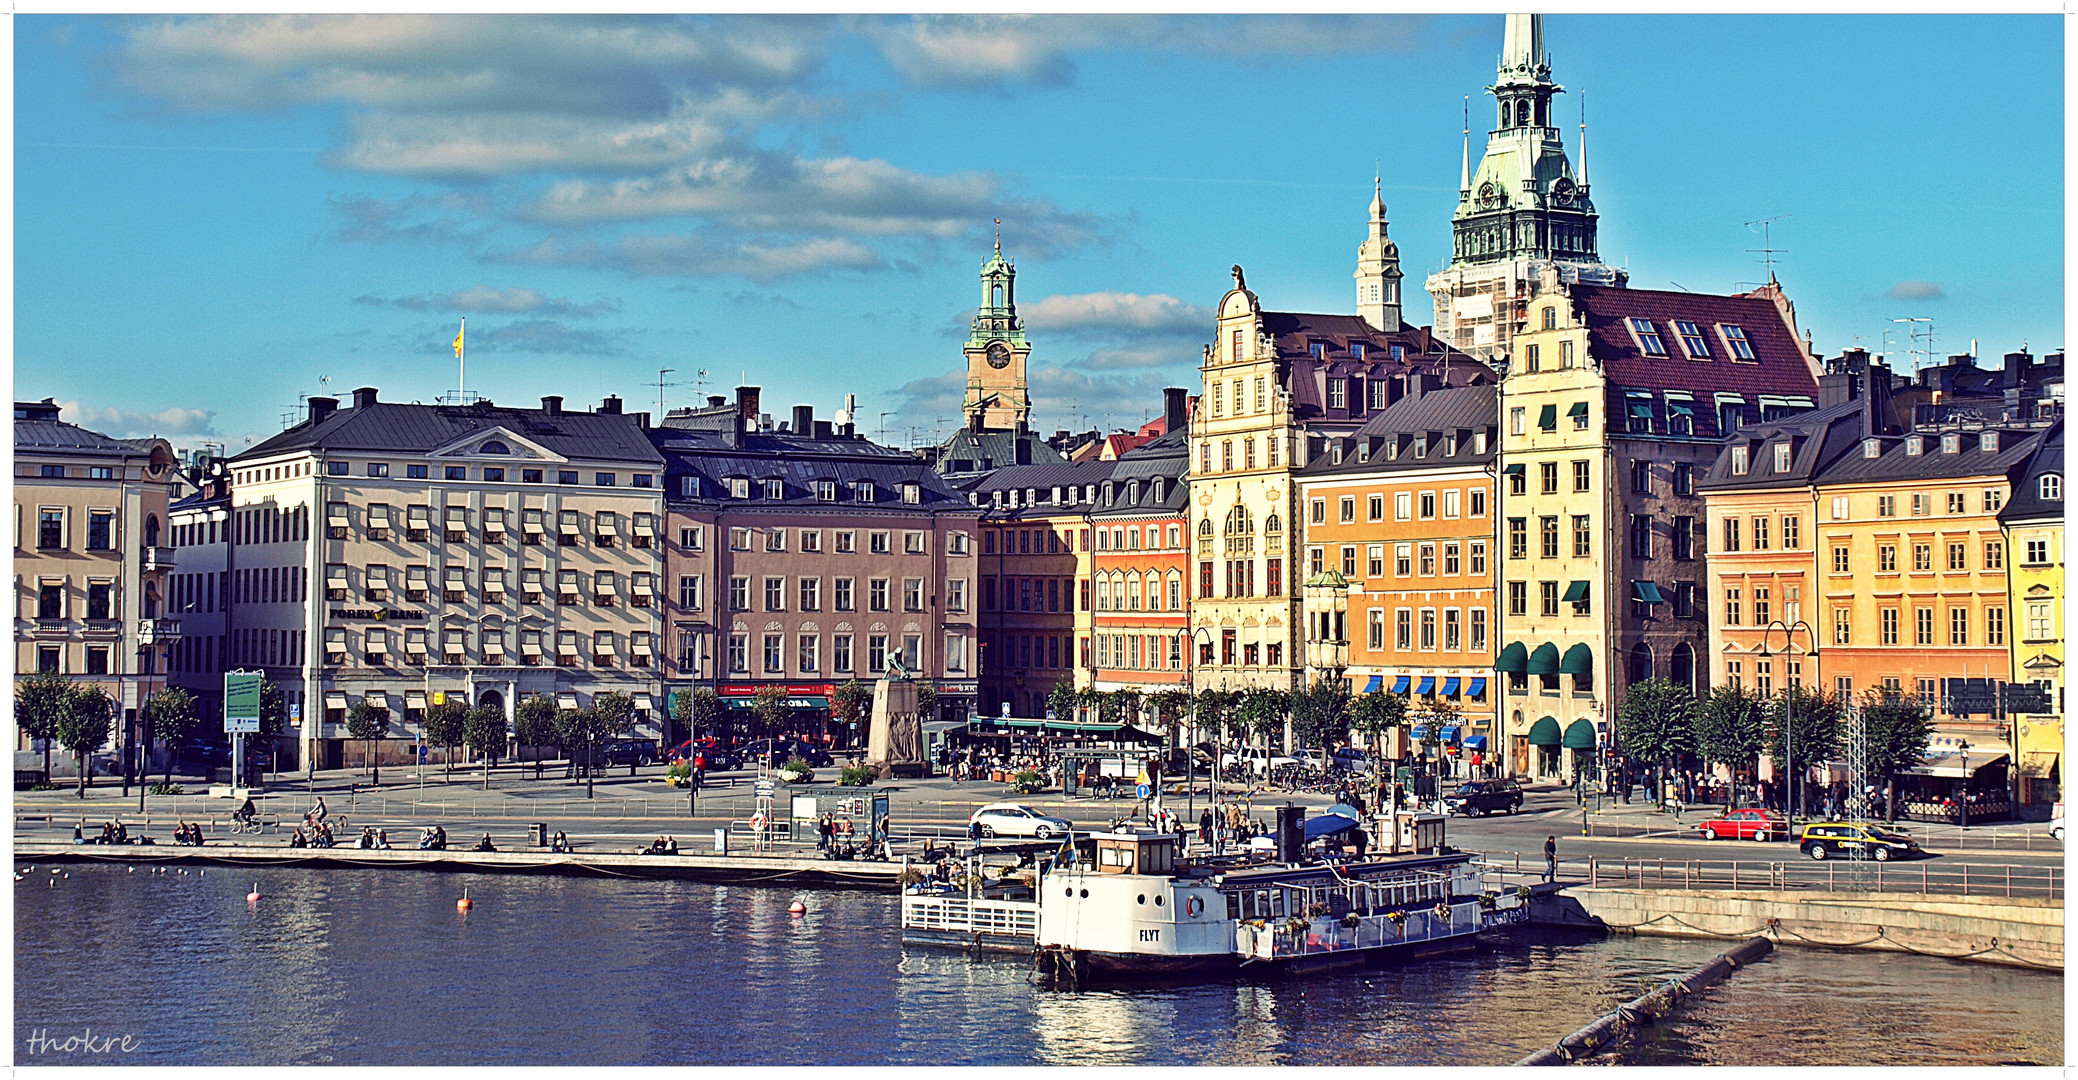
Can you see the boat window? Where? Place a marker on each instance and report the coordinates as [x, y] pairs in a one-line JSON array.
[[1233, 905]]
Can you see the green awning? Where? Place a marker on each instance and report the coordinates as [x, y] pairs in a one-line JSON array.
[[1545, 732], [1575, 592], [1545, 661], [1580, 735], [1512, 470], [1580, 660], [1547, 418], [1684, 408], [1514, 658], [1648, 592], [1579, 409]]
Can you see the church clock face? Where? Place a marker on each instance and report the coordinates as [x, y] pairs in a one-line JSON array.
[[1488, 196], [1562, 191], [998, 355]]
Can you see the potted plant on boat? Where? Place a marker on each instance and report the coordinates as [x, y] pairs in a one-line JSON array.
[[796, 771], [1028, 782]]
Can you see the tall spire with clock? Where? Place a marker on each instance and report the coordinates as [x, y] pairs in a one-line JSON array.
[[998, 397], [1522, 209]]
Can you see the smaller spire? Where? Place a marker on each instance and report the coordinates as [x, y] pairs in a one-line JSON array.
[[1583, 138], [1378, 199], [1464, 172], [999, 236]]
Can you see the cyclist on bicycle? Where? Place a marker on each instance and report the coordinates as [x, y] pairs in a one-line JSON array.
[[245, 812]]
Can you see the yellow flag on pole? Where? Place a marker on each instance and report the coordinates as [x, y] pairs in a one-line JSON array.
[[458, 338]]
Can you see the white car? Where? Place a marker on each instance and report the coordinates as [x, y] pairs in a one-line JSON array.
[[2056, 822], [1255, 759], [1011, 819]]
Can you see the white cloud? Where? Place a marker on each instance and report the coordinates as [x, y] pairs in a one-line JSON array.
[[485, 299], [1917, 290], [1062, 397], [546, 336], [136, 423], [1118, 311], [697, 255], [846, 196]]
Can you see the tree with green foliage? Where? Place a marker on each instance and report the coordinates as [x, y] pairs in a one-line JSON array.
[[1263, 711], [274, 713], [851, 705], [1120, 706], [368, 723], [170, 716], [1731, 728], [1816, 727], [616, 713], [88, 719], [1063, 699], [1171, 710], [534, 724], [769, 711], [444, 727], [1895, 731], [483, 729], [1656, 724], [577, 730], [1377, 713], [1321, 714], [926, 699], [41, 703]]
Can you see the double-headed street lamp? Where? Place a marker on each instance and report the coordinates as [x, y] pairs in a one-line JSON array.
[[1789, 647], [1190, 635]]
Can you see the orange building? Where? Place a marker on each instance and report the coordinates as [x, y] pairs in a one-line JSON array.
[[1399, 544], [1140, 592]]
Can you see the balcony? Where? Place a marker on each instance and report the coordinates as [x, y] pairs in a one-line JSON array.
[[157, 631], [157, 558]]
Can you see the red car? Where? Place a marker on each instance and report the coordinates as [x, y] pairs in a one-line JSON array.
[[1751, 824]]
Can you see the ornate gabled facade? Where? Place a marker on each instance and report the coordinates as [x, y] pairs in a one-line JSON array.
[[1524, 208]]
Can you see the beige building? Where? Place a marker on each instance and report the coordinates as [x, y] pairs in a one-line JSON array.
[[91, 555], [398, 554]]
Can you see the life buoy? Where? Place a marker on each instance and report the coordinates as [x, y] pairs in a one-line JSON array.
[[1194, 906], [757, 822]]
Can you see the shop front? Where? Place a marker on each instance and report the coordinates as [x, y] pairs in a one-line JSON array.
[[1948, 784]]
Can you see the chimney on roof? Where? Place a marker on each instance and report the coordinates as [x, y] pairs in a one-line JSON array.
[[822, 429], [642, 419], [1879, 417], [321, 407], [716, 401], [364, 397], [804, 420], [552, 404], [1175, 400], [747, 403], [2016, 370], [1024, 451], [611, 406]]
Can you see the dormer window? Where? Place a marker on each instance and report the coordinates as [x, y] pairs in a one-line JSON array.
[[1479, 442], [1356, 350], [1915, 446], [1692, 340], [1738, 461], [1335, 452], [1988, 442], [1421, 446], [1951, 443], [739, 487], [1363, 450], [1450, 445], [1158, 489], [1338, 394], [863, 491], [1319, 350], [1392, 448], [2052, 487], [1872, 449], [1782, 457], [912, 493], [1397, 352], [775, 489]]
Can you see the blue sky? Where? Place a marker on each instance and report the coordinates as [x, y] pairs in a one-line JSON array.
[[213, 214]]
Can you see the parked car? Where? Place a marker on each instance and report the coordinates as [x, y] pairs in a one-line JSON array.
[[1350, 759], [2056, 822], [1482, 797], [627, 752], [783, 749], [1254, 759], [716, 757], [1830, 839], [1749, 824], [1012, 819]]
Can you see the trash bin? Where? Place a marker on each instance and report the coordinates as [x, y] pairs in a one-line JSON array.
[[540, 834], [721, 841]]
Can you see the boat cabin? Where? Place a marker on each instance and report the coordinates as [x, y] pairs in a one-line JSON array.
[[1136, 851]]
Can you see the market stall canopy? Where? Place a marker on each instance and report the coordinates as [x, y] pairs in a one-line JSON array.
[[1580, 735], [1545, 732], [1951, 764], [1328, 824]]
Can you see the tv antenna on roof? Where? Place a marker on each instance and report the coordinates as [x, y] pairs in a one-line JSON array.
[[1767, 250], [1916, 335]]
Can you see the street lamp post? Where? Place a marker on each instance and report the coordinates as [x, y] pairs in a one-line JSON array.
[[1191, 677], [1789, 645], [1964, 802]]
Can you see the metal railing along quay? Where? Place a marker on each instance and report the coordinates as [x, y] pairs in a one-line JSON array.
[[1922, 877]]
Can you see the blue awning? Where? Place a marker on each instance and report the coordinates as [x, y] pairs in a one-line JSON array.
[[1450, 684], [1376, 684], [1450, 733], [1475, 742], [1427, 686], [1419, 733], [1327, 825], [1478, 687], [1400, 684]]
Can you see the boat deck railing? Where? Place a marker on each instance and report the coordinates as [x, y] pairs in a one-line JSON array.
[[1286, 938], [965, 915]]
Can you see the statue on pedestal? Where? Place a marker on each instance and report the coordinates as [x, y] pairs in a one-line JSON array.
[[895, 740]]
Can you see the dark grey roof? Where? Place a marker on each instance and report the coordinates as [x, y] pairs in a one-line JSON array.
[[1894, 461], [1131, 489], [1818, 438], [1041, 479], [967, 451], [2027, 503], [711, 458], [58, 435], [1295, 335], [410, 428], [1460, 410]]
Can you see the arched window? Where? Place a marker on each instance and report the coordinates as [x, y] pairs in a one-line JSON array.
[[1641, 663], [1684, 666], [1522, 114], [151, 529], [494, 447]]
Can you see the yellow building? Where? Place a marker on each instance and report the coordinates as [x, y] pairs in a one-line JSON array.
[[2033, 521]]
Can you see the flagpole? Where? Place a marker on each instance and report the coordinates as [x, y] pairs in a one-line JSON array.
[[462, 364]]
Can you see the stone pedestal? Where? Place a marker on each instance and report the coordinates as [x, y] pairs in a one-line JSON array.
[[895, 741]]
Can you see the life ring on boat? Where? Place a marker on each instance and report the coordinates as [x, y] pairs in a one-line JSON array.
[[1194, 907], [757, 822]]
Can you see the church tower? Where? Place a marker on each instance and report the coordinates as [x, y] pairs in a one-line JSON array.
[[1521, 210], [1378, 271], [996, 350]]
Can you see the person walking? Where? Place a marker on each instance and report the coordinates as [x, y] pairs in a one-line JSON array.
[[1551, 858]]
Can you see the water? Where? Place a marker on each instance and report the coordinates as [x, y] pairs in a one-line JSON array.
[[375, 967]]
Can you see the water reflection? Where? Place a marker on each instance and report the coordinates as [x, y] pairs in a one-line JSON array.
[[369, 967]]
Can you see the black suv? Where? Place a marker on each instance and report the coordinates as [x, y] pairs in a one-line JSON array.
[[628, 752], [1482, 797]]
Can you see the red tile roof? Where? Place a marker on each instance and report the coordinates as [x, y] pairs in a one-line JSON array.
[[1779, 365]]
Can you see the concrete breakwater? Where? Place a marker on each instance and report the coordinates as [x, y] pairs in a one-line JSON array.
[[2026, 932], [1651, 1007], [736, 869]]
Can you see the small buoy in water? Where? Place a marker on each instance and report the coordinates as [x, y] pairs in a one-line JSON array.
[[129, 869], [464, 903], [253, 897], [797, 908], [54, 871]]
